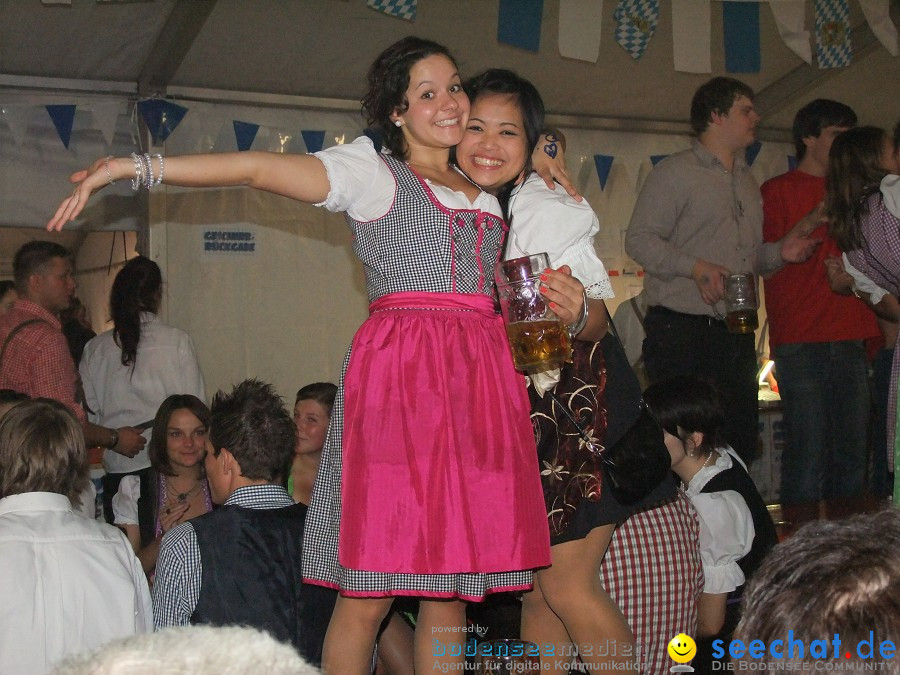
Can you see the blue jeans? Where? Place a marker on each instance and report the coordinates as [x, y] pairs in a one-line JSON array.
[[824, 390]]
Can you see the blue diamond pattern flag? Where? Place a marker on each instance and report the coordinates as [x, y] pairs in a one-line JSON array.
[[635, 24], [402, 9], [604, 164], [244, 133], [833, 33], [314, 140], [63, 117], [161, 117]]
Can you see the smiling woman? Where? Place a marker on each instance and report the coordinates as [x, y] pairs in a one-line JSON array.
[[176, 489]]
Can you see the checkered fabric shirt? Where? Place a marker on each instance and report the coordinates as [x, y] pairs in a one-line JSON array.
[[179, 570], [652, 571], [37, 361]]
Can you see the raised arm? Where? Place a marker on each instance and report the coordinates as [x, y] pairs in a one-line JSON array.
[[300, 177]]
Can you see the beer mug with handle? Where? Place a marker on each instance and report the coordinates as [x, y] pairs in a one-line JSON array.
[[538, 339]]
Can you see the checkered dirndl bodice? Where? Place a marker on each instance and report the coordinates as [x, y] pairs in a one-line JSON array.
[[420, 245]]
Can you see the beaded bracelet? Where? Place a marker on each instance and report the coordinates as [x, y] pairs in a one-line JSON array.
[[160, 176], [108, 174], [138, 172]]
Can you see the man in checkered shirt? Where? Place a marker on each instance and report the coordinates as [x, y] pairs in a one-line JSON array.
[[34, 354], [250, 547]]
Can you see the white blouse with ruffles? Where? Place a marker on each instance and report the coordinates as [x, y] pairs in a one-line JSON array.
[[363, 185], [726, 526], [551, 221]]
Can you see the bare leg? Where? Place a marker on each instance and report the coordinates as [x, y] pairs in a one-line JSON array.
[[542, 626], [437, 643], [395, 648], [350, 639], [572, 589]]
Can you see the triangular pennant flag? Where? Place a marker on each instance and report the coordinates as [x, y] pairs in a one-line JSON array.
[[244, 133], [691, 41], [314, 140], [740, 22], [579, 29], [792, 162], [656, 159], [161, 117], [636, 22], [402, 9], [878, 14], [106, 117], [604, 164], [752, 151], [18, 118], [375, 137], [63, 117], [519, 23], [790, 18], [833, 47]]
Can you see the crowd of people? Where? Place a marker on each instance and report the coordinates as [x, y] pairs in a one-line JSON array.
[[434, 478]]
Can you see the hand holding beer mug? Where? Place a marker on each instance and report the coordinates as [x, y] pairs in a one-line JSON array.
[[539, 340], [741, 303]]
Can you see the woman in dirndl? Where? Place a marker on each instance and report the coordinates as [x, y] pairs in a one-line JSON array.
[[429, 485]]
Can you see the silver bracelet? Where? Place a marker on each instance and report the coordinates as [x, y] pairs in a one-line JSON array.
[[578, 326], [138, 172], [148, 167], [108, 174], [160, 176]]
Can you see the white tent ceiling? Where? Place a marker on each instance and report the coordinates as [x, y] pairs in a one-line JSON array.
[[321, 48]]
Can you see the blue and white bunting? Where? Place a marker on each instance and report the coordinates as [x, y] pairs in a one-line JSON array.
[[519, 23], [63, 117], [244, 133], [604, 164], [740, 23], [161, 117], [402, 9], [314, 140], [833, 47], [636, 22]]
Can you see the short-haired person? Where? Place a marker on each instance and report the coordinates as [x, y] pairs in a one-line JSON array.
[[251, 546], [69, 583], [8, 295], [830, 578], [34, 354], [697, 220], [817, 337]]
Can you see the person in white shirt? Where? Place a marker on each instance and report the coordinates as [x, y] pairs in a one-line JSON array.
[[69, 583], [130, 370]]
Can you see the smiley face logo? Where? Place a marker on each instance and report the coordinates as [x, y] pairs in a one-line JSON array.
[[682, 648]]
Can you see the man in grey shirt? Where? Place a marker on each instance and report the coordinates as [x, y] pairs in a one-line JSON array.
[[697, 220]]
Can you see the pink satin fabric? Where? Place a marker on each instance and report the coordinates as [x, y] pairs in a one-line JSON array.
[[440, 470]]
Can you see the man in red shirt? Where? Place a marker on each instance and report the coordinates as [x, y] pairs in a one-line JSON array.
[[816, 336], [34, 354]]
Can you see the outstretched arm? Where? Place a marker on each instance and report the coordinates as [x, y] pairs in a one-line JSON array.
[[300, 177]]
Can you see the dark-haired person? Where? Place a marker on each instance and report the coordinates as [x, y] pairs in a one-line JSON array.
[[250, 547], [736, 531], [176, 489], [127, 372], [312, 414], [69, 583], [697, 220], [424, 447], [861, 220], [829, 580], [34, 354], [817, 337]]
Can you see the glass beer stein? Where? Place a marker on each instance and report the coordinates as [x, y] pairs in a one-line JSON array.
[[538, 339], [741, 303]]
